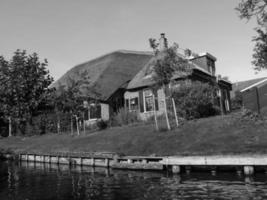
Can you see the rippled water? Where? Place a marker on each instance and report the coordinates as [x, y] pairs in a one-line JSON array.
[[42, 181]]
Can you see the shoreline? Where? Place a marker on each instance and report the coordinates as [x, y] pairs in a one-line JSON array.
[[247, 164]]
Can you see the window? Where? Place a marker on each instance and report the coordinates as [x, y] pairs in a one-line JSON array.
[[148, 96], [94, 111], [211, 66], [134, 103]]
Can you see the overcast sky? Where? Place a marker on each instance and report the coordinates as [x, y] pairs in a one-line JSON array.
[[69, 32]]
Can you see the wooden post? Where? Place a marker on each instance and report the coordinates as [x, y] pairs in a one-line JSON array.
[[9, 127], [166, 114], [258, 100], [175, 113], [106, 162], [248, 170], [155, 114], [77, 124], [176, 169], [83, 124], [58, 125]]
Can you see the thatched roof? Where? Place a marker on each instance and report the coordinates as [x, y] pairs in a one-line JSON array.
[[144, 77], [107, 73]]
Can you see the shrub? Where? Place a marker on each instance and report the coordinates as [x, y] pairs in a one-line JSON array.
[[237, 102], [124, 117], [101, 124], [195, 100]]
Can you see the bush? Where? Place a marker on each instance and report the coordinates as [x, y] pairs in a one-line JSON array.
[[237, 101], [124, 117], [195, 100], [101, 124]]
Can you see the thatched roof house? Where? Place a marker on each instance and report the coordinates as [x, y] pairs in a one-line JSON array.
[[120, 79], [109, 72]]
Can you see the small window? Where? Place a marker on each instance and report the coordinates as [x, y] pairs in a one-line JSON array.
[[94, 111], [148, 100], [134, 103], [211, 66]]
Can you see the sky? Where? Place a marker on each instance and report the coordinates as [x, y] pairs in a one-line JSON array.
[[70, 32]]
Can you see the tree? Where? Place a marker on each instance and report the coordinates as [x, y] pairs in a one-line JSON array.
[[24, 82], [166, 64], [70, 98], [257, 9]]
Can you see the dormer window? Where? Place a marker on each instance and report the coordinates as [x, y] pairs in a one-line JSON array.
[[211, 66]]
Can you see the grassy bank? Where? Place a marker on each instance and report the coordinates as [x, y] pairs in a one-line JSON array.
[[229, 134]]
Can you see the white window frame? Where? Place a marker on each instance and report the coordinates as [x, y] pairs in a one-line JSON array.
[[144, 100], [93, 119], [138, 106]]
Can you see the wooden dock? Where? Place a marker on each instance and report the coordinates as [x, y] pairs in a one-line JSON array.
[[241, 163]]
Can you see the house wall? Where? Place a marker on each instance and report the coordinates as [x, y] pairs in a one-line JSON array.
[[105, 114], [104, 111], [143, 114]]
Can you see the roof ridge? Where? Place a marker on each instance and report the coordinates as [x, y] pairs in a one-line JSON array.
[[254, 85], [117, 51], [261, 78], [134, 52]]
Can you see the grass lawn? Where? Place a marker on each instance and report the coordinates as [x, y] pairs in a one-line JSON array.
[[229, 134]]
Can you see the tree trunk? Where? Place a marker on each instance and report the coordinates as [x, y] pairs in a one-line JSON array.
[[83, 124], [71, 124], [166, 114], [155, 114], [77, 125], [175, 113], [9, 127], [165, 107], [58, 125]]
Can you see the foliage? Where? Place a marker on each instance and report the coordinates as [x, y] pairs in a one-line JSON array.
[[260, 51], [195, 100], [101, 124], [24, 82], [237, 101], [257, 9], [248, 115], [167, 63], [124, 117]]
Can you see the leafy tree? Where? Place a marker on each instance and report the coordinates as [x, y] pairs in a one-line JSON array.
[[166, 64], [24, 82], [257, 9], [70, 98]]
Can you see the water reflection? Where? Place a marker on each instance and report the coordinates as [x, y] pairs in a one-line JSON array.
[[50, 181]]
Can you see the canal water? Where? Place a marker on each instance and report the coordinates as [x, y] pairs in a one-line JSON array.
[[29, 181]]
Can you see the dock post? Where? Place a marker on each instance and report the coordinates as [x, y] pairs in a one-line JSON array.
[[213, 170], [106, 162], [93, 161], [248, 170], [176, 169], [144, 161]]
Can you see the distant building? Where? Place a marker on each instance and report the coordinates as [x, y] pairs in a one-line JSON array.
[[241, 85], [255, 96], [123, 79]]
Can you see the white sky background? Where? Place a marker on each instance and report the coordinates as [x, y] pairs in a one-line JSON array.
[[69, 32]]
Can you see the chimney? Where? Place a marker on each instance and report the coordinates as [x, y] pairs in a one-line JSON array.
[[163, 43]]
